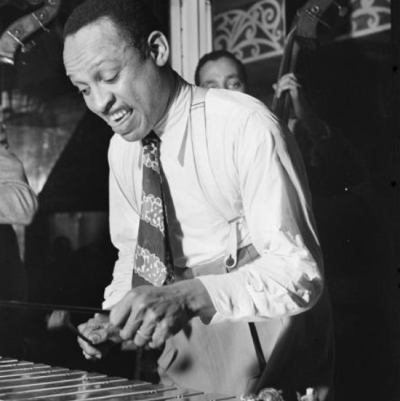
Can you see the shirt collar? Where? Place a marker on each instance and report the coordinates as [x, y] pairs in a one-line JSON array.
[[172, 128]]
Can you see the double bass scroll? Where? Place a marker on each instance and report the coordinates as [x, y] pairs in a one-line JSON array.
[[16, 34], [314, 22]]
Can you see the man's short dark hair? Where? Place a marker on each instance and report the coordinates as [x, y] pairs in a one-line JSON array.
[[216, 55], [133, 18]]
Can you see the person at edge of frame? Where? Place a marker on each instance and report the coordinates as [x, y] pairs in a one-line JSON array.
[[18, 205]]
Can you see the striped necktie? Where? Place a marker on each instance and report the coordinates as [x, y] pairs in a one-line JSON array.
[[152, 256]]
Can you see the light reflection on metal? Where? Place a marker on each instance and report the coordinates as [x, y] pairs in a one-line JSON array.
[[254, 33]]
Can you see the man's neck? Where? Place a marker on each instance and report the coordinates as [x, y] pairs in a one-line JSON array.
[[174, 84]]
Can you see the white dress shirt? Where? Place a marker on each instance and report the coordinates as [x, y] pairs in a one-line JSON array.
[[18, 202], [266, 188]]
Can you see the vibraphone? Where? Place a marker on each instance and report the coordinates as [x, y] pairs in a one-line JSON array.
[[21, 380]]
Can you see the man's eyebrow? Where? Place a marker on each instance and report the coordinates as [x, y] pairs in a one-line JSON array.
[[95, 67], [210, 81], [74, 81], [71, 77], [235, 75]]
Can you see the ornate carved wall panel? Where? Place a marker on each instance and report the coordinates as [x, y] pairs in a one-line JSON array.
[[252, 33], [367, 17], [256, 31]]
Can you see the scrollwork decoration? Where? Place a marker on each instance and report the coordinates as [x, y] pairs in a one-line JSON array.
[[368, 17], [258, 32], [252, 34]]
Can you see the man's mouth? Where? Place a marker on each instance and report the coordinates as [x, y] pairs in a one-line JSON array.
[[118, 117]]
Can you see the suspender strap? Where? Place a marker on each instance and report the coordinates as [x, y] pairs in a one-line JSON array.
[[218, 201], [205, 173]]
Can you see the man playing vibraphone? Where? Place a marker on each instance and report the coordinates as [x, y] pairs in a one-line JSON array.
[[209, 204]]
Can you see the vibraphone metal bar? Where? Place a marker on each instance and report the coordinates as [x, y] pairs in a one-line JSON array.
[[22, 380]]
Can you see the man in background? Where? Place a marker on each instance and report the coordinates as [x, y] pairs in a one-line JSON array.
[[332, 162], [221, 69]]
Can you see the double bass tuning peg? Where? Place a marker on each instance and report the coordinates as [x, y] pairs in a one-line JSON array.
[[342, 11]]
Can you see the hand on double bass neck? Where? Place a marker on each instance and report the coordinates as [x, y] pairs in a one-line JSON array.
[[300, 105]]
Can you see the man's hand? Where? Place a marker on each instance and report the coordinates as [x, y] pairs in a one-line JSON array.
[[150, 315], [99, 331], [290, 83]]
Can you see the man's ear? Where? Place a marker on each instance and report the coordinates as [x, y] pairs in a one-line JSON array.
[[158, 47]]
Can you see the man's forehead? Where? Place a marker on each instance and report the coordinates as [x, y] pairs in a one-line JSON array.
[[222, 63], [91, 47], [102, 29], [101, 34], [219, 67]]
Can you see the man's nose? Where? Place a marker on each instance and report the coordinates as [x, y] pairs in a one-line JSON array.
[[101, 100]]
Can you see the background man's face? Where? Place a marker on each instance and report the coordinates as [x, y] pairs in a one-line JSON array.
[[223, 74]]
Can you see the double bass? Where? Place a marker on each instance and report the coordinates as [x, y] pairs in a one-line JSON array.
[[313, 24], [15, 36]]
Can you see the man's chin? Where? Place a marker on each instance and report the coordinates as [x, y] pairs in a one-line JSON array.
[[131, 136]]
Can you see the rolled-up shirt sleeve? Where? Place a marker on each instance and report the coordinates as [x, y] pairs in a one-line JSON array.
[[18, 202], [287, 279]]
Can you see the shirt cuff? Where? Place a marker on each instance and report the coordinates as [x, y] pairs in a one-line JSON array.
[[226, 305], [113, 298]]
